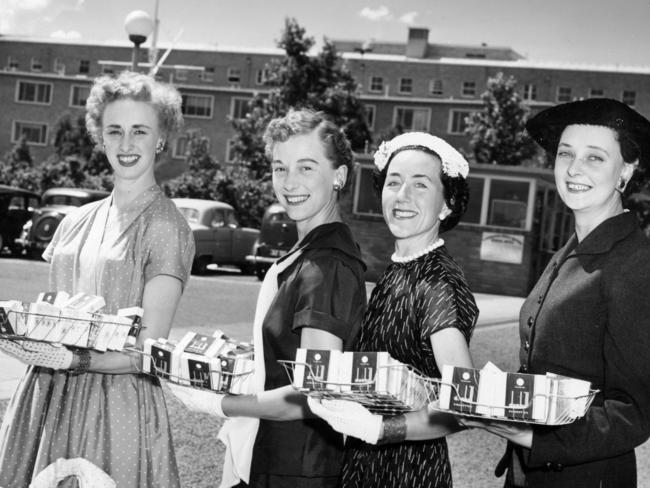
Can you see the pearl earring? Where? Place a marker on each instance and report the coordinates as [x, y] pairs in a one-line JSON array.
[[159, 147], [621, 184]]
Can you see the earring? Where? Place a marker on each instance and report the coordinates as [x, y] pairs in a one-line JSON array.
[[159, 147], [620, 186], [337, 187]]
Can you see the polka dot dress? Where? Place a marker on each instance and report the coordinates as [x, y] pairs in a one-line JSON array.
[[411, 301], [118, 422]]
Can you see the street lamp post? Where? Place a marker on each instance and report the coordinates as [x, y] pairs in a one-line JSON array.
[[138, 25]]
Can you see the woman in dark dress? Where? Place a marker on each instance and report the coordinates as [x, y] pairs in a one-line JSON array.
[[421, 311], [313, 297], [588, 316]]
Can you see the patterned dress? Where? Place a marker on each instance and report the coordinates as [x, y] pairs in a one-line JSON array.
[[411, 301], [116, 421]]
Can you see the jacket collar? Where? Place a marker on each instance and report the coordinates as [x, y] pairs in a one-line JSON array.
[[606, 235]]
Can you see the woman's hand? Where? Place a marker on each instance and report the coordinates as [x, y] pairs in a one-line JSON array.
[[199, 401], [348, 418], [42, 354], [517, 433]]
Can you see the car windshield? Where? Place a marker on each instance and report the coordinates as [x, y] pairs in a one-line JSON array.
[[190, 214]]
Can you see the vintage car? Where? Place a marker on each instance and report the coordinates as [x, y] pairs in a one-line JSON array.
[[16, 208], [56, 203], [277, 235], [219, 238]]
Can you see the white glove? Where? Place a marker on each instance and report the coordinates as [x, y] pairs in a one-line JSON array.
[[45, 354], [199, 400], [349, 418]]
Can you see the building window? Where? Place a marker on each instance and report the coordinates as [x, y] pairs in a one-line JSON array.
[[498, 202], [35, 133], [457, 121], [12, 64], [261, 76], [79, 95], [180, 147], [596, 93], [412, 118], [370, 116], [435, 87], [199, 106], [234, 75], [468, 89], [530, 92], [106, 70], [239, 107], [84, 67], [406, 85], [376, 84], [628, 97], [37, 65], [31, 92], [564, 94], [365, 200], [207, 74], [230, 151], [180, 74], [59, 67]]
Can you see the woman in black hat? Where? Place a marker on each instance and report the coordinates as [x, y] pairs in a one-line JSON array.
[[588, 317]]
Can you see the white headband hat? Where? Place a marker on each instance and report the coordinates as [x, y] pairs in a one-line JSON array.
[[453, 162]]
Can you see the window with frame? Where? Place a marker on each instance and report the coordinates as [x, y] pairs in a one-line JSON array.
[[35, 133], [530, 92], [230, 151], [84, 67], [180, 74], [79, 95], [180, 147], [500, 202], [239, 107], [199, 106], [12, 64], [406, 85], [365, 200], [37, 65], [108, 70], [468, 89], [435, 87], [596, 93], [59, 67], [261, 76], [412, 118], [33, 92], [473, 213], [234, 75], [563, 94], [628, 97], [207, 74], [376, 84], [370, 116], [458, 121]]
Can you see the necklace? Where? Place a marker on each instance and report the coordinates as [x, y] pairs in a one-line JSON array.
[[405, 259]]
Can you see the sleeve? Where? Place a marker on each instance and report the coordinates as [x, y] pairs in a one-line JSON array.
[[619, 419], [170, 247], [329, 298], [56, 238], [437, 308]]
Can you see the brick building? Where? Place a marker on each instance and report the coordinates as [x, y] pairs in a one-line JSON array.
[[418, 85]]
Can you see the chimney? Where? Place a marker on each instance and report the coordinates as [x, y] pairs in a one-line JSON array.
[[417, 42]]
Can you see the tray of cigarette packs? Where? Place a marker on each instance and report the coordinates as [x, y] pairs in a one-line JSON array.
[[374, 379], [548, 399], [76, 321], [217, 363]]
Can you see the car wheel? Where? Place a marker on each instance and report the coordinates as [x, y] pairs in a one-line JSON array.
[[200, 265], [260, 271]]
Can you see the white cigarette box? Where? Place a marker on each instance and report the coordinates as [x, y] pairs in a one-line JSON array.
[[316, 369]]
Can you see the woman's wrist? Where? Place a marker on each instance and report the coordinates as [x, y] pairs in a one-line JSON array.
[[393, 430], [80, 361]]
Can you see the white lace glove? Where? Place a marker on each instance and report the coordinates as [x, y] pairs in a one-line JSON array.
[[198, 400], [45, 354], [348, 418]]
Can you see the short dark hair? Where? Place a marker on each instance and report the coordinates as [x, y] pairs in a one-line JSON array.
[[455, 188]]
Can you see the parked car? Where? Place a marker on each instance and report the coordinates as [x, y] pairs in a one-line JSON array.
[[16, 208], [277, 235], [219, 238], [56, 203]]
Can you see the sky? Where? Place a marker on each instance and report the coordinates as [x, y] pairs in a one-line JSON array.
[[606, 32]]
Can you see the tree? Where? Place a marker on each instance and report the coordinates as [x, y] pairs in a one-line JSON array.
[[200, 178], [497, 132], [320, 81], [17, 168]]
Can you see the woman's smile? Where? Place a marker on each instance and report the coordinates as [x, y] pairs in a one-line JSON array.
[[400, 213], [296, 199], [128, 160], [577, 187]]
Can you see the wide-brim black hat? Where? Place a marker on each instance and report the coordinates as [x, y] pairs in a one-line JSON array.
[[547, 126]]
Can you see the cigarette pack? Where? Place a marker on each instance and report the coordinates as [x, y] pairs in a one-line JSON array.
[[95, 328], [56, 298], [364, 371], [122, 326], [459, 389], [194, 360], [526, 396], [316, 369], [76, 327], [158, 358], [42, 321], [491, 396], [568, 398], [85, 302], [106, 329], [6, 309], [134, 314]]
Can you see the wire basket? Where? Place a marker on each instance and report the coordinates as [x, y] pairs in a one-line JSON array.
[[203, 377], [540, 408], [64, 329], [410, 392]]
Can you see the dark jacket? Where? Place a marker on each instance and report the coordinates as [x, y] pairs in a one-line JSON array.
[[588, 317]]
